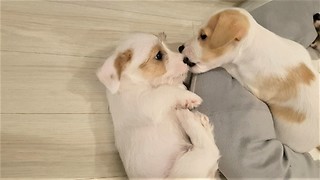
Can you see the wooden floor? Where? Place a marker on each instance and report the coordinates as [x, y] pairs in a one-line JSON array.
[[55, 121]]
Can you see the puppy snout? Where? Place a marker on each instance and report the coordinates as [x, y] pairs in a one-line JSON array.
[[188, 62], [315, 18], [181, 48]]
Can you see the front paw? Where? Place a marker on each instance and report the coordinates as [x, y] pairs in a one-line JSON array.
[[188, 100]]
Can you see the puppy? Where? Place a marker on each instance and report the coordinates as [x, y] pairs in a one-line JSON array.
[[316, 22], [275, 69], [154, 136]]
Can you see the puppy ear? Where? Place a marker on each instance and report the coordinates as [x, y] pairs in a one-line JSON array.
[[110, 72], [227, 26], [108, 75], [162, 36]]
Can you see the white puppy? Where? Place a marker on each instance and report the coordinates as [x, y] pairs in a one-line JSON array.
[[155, 139], [276, 70]]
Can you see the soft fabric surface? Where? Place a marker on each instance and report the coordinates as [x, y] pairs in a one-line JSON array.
[[289, 19], [244, 132]]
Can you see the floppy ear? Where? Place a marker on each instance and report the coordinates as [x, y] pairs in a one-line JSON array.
[[110, 72], [108, 76], [226, 27]]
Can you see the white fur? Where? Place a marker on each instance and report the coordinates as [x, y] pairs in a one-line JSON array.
[[151, 135], [262, 52]]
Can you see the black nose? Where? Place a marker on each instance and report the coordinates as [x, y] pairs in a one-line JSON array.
[[315, 18], [188, 62], [181, 48]]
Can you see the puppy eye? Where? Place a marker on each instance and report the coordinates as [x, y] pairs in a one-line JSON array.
[[203, 36], [159, 56]]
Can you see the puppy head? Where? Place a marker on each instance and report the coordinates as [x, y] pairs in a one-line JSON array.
[[142, 59], [217, 41], [316, 22]]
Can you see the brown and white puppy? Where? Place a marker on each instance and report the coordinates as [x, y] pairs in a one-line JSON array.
[[144, 89], [276, 70]]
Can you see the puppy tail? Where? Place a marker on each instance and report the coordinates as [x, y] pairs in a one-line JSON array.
[[201, 159]]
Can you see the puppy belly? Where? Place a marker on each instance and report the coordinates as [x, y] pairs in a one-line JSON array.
[[150, 151], [301, 137]]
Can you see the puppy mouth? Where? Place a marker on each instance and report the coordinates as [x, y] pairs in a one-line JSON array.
[[182, 75], [178, 78], [193, 66], [187, 61], [171, 80]]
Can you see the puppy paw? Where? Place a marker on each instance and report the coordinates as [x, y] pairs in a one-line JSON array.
[[188, 100], [198, 128], [182, 114], [204, 120]]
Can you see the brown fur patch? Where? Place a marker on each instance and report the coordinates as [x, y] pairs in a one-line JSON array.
[[274, 89], [122, 60], [223, 31], [287, 113], [153, 68]]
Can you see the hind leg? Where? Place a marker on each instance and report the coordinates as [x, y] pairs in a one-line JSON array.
[[197, 127], [203, 155], [204, 120]]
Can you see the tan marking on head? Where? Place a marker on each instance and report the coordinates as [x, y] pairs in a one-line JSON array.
[[287, 113], [122, 60], [273, 89], [153, 68], [223, 31]]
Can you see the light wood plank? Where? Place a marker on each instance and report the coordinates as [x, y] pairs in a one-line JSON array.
[[251, 5], [94, 28], [112, 178], [58, 146], [42, 83]]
